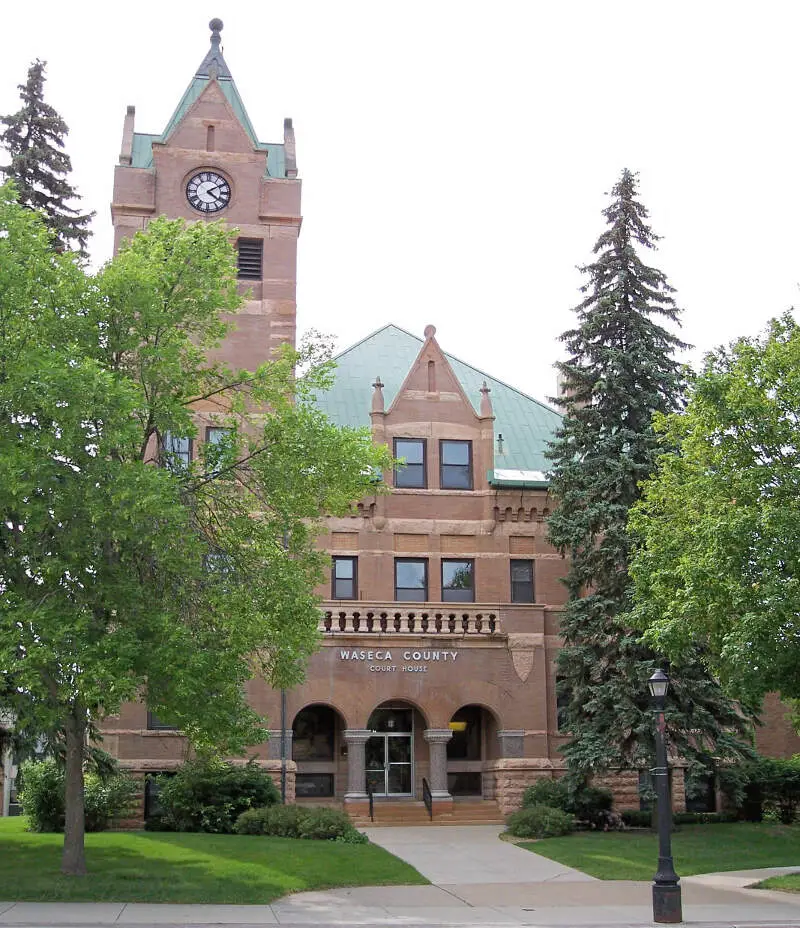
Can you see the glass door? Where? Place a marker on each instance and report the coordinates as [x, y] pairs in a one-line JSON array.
[[399, 765], [389, 764], [389, 753]]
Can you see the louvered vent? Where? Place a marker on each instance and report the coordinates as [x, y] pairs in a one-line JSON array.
[[249, 256]]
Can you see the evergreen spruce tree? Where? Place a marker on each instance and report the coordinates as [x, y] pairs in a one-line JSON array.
[[34, 138], [620, 371]]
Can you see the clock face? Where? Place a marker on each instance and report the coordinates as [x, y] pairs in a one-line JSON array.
[[208, 192]]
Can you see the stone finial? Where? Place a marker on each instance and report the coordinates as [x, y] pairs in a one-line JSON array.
[[430, 331], [290, 148], [126, 151], [377, 396], [487, 412], [213, 65]]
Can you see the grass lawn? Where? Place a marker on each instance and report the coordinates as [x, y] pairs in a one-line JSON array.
[[632, 855], [143, 866], [789, 883]]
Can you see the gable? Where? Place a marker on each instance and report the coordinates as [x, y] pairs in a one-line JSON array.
[[526, 424], [210, 106], [431, 391]]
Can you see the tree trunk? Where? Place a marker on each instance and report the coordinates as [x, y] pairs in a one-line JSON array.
[[73, 859]]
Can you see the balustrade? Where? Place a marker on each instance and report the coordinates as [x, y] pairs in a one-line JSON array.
[[434, 619]]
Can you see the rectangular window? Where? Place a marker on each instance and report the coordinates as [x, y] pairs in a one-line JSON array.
[[215, 434], [412, 472], [216, 454], [249, 258], [154, 723], [562, 703], [344, 578], [455, 465], [458, 581], [307, 785], [177, 451], [411, 580], [522, 582]]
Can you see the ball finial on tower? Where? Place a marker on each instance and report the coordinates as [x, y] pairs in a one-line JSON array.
[[216, 27], [430, 331]]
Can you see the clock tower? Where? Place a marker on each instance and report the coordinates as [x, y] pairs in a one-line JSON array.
[[208, 164]]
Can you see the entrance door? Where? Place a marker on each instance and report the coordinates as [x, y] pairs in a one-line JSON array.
[[389, 764], [390, 752]]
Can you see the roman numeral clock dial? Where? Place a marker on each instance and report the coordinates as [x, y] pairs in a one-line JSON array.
[[208, 192]]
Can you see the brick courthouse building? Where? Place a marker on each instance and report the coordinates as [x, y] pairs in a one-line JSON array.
[[439, 625]]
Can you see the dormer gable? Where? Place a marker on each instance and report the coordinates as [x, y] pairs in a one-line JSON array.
[[431, 391]]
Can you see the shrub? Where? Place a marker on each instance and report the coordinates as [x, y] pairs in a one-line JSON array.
[[324, 824], [296, 822], [702, 818], [540, 821], [592, 805], [208, 794], [277, 821], [105, 797], [42, 795], [779, 780], [547, 792], [767, 786], [637, 818]]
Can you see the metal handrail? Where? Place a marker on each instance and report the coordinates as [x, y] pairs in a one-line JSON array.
[[371, 803], [427, 798]]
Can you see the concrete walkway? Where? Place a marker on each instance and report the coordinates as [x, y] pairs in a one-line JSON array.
[[478, 880]]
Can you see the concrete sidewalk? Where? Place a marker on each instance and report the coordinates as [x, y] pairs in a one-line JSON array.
[[478, 880]]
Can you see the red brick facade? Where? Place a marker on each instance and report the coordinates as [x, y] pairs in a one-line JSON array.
[[471, 684]]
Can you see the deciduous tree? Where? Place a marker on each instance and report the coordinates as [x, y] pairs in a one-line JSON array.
[[717, 566], [125, 567]]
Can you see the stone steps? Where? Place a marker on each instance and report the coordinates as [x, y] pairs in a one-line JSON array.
[[478, 812]]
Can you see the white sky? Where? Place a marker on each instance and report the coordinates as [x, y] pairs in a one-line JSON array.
[[455, 154]]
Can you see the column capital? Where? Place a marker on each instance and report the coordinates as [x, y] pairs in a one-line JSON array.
[[274, 744], [437, 735], [357, 735], [512, 742]]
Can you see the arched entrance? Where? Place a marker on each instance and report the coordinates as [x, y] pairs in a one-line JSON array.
[[389, 751], [474, 741], [316, 748]]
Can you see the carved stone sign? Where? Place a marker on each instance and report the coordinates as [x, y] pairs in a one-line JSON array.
[[411, 660]]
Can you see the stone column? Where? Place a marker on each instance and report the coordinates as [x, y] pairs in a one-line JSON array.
[[511, 742], [356, 739], [437, 739]]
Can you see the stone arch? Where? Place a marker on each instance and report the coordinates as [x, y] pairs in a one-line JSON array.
[[316, 730], [474, 743], [318, 692], [404, 700], [317, 742], [473, 692]]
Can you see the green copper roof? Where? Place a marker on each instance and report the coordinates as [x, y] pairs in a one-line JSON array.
[[525, 424], [212, 66]]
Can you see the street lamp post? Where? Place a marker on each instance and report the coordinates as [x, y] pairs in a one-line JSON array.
[[666, 891]]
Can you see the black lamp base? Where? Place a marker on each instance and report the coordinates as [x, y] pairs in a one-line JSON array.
[[667, 903]]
